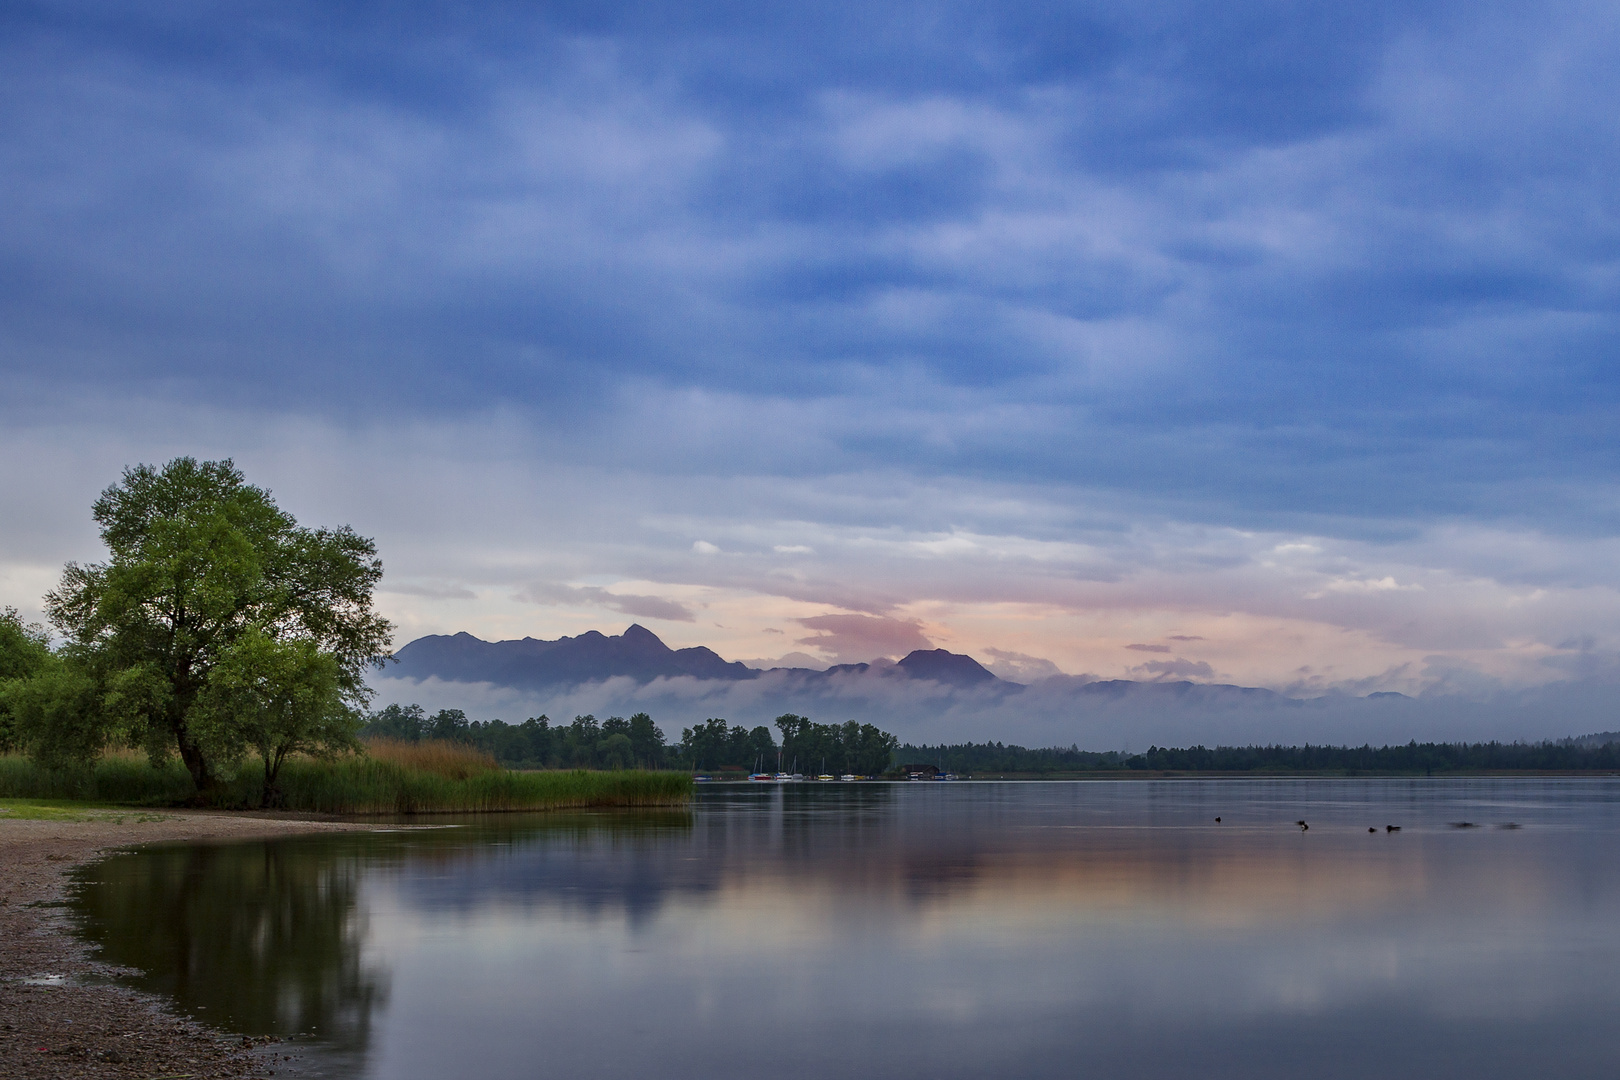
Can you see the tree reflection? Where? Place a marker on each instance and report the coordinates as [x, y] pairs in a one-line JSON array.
[[264, 939]]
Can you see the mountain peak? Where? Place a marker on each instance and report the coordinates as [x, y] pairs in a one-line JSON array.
[[639, 634], [944, 666]]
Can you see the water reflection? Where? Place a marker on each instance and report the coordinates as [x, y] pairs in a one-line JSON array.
[[262, 939], [1025, 930]]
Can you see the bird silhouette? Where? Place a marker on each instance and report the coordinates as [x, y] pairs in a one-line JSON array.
[[1371, 829], [1217, 821], [1302, 826], [1392, 828]]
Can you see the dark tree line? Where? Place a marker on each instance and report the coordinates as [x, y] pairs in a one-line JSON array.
[[1414, 757], [835, 748], [619, 743], [614, 743], [715, 745]]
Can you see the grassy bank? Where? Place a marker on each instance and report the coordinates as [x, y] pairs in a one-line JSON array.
[[390, 779]]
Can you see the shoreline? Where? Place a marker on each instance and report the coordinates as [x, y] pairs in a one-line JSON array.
[[61, 1014]]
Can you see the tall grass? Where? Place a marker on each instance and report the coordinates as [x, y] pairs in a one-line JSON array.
[[118, 777], [454, 761], [392, 778]]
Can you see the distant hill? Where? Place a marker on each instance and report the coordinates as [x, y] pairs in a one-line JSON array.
[[638, 654], [533, 664]]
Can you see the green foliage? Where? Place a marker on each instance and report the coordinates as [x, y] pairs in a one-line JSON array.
[[279, 698], [404, 722], [122, 779], [839, 748], [348, 785], [638, 743], [23, 646], [369, 786], [614, 743], [447, 724], [56, 712], [199, 559], [24, 649], [646, 741], [715, 744]]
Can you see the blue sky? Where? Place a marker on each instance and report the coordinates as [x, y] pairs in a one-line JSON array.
[[1278, 338]]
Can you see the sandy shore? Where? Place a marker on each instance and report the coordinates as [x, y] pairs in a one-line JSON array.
[[58, 1017]]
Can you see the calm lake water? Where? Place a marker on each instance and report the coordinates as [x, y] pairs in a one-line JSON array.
[[1105, 929]]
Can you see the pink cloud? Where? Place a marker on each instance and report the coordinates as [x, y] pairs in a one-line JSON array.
[[858, 638]]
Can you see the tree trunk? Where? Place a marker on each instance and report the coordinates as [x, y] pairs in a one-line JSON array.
[[270, 797], [197, 764]]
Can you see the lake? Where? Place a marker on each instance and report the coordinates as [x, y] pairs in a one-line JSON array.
[[1107, 929]]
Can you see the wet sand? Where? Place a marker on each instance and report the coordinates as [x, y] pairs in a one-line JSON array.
[[60, 1015]]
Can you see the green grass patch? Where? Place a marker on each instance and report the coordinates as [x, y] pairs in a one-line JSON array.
[[69, 810], [351, 785]]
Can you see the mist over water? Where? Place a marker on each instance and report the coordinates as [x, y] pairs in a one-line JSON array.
[[1041, 929]]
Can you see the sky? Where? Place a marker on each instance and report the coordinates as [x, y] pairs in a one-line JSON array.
[[1263, 343]]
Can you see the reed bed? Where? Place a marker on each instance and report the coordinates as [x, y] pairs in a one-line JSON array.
[[455, 761], [121, 777], [391, 779], [373, 785]]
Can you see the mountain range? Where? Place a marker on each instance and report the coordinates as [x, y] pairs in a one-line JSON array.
[[935, 694], [637, 654]]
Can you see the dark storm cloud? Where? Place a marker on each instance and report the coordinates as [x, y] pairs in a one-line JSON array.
[[1271, 261]]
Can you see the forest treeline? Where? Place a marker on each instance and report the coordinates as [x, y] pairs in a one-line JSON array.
[[804, 746], [636, 742], [1567, 755]]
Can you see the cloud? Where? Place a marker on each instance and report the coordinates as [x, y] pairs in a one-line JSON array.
[[647, 607], [789, 660], [1018, 667], [703, 547], [1185, 637], [858, 638], [1175, 669], [431, 591], [1149, 648]]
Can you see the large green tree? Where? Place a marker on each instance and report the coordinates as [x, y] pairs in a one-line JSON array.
[[24, 650], [199, 560], [278, 698]]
